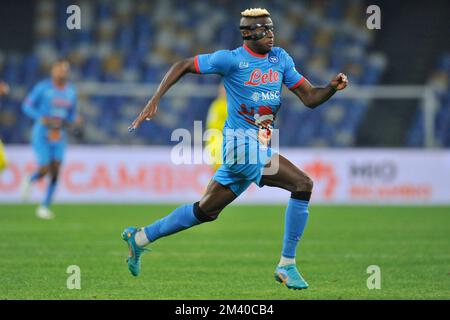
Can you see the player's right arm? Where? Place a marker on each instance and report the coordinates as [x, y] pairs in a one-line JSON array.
[[219, 62], [177, 70], [29, 106]]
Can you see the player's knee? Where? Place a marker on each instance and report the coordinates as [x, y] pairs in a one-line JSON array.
[[304, 183], [54, 178], [309, 184], [54, 172], [43, 170], [205, 215]]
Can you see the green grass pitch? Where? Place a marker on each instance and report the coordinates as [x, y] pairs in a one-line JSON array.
[[231, 258]]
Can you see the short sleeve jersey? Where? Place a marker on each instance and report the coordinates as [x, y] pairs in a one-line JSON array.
[[47, 100], [252, 82]]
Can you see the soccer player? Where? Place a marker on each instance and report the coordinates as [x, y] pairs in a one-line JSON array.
[[217, 114], [4, 89], [252, 75], [52, 106]]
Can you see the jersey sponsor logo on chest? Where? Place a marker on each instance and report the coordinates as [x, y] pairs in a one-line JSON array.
[[61, 103], [257, 77], [264, 96]]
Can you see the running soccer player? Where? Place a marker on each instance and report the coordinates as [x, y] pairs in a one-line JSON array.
[[251, 72], [52, 105]]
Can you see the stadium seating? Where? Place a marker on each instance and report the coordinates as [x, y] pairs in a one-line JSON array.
[[136, 41], [440, 82]]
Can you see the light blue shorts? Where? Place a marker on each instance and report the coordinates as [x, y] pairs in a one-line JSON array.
[[47, 152], [243, 163]]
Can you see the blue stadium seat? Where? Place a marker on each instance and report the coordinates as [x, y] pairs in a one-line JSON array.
[[135, 35]]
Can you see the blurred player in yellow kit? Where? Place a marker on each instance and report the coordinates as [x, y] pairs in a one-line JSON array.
[[217, 114], [4, 89]]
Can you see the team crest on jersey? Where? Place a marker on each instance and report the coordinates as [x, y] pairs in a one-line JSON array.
[[243, 65], [273, 59]]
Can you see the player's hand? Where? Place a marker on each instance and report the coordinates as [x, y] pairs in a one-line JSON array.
[[146, 114], [52, 122], [4, 88], [340, 82]]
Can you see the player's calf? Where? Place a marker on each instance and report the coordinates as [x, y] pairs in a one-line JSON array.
[[206, 215], [181, 218], [29, 180], [40, 173]]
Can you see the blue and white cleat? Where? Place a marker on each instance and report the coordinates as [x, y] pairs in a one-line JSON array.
[[289, 276], [135, 252]]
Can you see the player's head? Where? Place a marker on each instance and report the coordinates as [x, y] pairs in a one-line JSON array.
[[257, 29], [60, 70]]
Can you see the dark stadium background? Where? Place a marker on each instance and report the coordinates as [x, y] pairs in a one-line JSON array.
[[134, 41], [378, 152]]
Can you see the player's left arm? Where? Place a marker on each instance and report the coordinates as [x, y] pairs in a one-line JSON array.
[[74, 120], [312, 96], [72, 114]]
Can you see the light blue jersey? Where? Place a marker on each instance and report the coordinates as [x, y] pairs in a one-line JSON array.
[[252, 81], [253, 84], [47, 100]]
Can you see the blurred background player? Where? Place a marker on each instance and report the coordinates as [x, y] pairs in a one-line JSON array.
[[217, 114], [52, 105], [4, 89]]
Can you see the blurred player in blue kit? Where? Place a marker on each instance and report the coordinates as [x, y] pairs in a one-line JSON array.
[[253, 75], [52, 105]]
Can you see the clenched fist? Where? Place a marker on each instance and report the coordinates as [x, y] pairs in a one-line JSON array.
[[339, 82]]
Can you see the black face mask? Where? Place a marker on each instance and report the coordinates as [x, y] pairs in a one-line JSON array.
[[258, 35]]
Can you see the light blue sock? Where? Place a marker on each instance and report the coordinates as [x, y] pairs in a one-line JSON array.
[[49, 195], [296, 217], [180, 219]]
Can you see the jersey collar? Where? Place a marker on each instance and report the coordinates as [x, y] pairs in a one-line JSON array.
[[257, 55], [57, 86]]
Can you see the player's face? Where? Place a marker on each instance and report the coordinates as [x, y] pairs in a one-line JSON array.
[[265, 44], [268, 41], [61, 71]]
